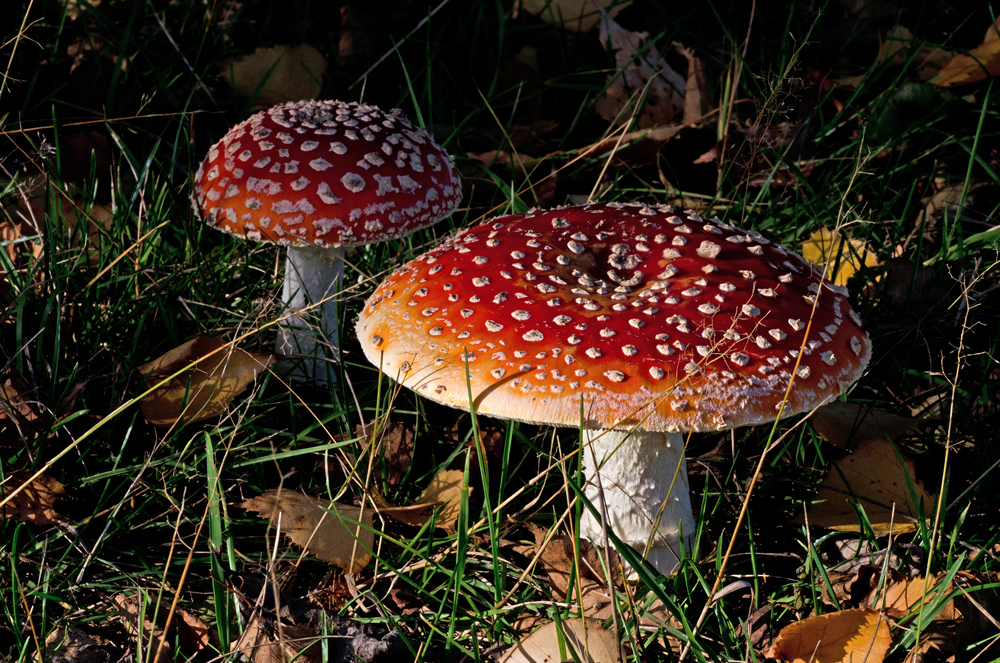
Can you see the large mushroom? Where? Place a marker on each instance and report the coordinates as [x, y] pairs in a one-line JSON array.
[[636, 322], [318, 177]]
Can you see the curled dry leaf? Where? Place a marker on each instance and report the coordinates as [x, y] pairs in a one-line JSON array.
[[848, 636], [336, 533], [838, 253], [552, 643], [207, 387], [444, 490], [872, 476], [35, 502], [643, 76], [277, 74], [573, 15], [849, 424]]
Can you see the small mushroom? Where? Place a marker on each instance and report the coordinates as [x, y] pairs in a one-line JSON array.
[[318, 177], [644, 321]]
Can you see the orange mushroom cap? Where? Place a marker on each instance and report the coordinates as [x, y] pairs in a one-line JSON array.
[[327, 174], [651, 317]]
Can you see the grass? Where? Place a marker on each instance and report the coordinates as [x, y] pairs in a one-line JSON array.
[[117, 107]]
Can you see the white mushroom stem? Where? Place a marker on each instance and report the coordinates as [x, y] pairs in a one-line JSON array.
[[308, 332], [632, 476]]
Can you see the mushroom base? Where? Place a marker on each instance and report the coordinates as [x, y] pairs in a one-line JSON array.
[[640, 473], [307, 334]]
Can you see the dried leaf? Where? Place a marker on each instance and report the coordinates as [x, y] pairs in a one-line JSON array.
[[590, 590], [444, 490], [697, 93], [189, 631], [277, 74], [20, 420], [73, 7], [901, 597], [872, 476], [336, 533], [643, 76], [981, 63], [841, 255], [74, 645], [849, 636], [590, 642], [35, 502], [208, 386], [573, 15], [847, 424], [269, 645]]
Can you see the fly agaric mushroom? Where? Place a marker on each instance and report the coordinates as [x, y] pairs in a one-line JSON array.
[[318, 177], [644, 321]]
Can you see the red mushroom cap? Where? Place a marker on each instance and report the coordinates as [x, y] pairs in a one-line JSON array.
[[654, 318], [327, 174]]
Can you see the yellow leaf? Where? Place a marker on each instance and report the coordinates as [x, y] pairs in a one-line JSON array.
[[549, 644], [848, 636], [902, 597], [872, 476], [277, 74], [336, 533], [841, 255], [209, 385], [981, 63]]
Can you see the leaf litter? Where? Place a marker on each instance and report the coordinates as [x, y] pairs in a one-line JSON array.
[[333, 532], [211, 375]]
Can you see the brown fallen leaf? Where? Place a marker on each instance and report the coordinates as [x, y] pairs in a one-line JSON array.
[[642, 76], [444, 491], [209, 386], [902, 596], [35, 502], [271, 645], [981, 63], [395, 444], [71, 644], [73, 7], [20, 417], [590, 590], [848, 636], [573, 15], [552, 643], [277, 74], [872, 476], [339, 534], [849, 424], [841, 255], [184, 628]]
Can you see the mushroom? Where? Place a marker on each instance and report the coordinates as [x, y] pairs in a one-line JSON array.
[[317, 177], [635, 322]]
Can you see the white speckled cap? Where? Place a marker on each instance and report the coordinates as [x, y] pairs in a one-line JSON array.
[[628, 314], [326, 173]]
